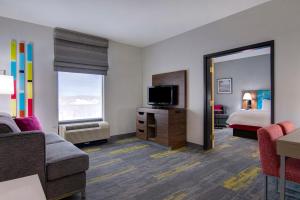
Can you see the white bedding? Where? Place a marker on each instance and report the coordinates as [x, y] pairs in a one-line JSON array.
[[250, 117]]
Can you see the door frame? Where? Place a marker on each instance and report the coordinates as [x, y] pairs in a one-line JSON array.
[[207, 85]]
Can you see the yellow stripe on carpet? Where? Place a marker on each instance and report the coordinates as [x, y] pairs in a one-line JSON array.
[[110, 175], [177, 170], [167, 153], [243, 179], [234, 138], [128, 140], [102, 164], [255, 154], [91, 149], [128, 149], [218, 148], [176, 196]]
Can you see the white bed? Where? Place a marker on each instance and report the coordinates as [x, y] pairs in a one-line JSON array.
[[260, 118]]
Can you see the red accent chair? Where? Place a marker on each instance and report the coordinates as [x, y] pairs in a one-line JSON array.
[[287, 127], [270, 161]]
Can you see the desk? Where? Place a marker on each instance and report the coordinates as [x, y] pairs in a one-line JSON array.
[[22, 188], [287, 146]]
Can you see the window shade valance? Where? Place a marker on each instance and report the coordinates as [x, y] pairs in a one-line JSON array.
[[78, 52]]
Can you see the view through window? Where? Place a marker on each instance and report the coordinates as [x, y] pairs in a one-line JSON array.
[[80, 96]]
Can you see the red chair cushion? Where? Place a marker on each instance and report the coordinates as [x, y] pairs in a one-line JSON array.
[[287, 127], [267, 137]]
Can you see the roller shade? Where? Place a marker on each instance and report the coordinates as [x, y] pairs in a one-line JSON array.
[[79, 53]]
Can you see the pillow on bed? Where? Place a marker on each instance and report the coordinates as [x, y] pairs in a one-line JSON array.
[[266, 105]]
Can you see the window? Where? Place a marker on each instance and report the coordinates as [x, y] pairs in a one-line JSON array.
[[80, 97]]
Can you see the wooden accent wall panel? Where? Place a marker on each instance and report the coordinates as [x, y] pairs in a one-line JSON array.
[[173, 78]]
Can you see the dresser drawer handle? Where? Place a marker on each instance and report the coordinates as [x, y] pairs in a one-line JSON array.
[[141, 113], [141, 122], [142, 131]]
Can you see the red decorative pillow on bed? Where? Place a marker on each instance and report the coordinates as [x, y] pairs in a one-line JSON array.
[[28, 124]]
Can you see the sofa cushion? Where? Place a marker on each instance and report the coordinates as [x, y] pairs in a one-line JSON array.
[[52, 138], [28, 124], [7, 122], [64, 159]]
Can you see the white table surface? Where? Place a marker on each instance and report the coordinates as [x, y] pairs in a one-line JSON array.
[[22, 188], [287, 146]]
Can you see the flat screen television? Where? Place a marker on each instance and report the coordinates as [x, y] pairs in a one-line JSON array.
[[163, 95]]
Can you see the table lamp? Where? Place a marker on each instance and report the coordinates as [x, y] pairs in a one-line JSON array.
[[247, 96], [6, 84]]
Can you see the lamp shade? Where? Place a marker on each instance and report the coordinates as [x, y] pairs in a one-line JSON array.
[[247, 96], [6, 84]]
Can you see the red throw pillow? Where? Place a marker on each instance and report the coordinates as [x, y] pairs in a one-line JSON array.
[[28, 124]]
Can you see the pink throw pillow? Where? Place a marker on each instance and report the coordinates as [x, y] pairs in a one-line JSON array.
[[28, 124]]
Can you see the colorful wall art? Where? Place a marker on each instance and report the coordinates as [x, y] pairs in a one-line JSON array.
[[21, 67]]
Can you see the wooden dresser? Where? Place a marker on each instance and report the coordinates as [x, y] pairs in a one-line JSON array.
[[163, 126]]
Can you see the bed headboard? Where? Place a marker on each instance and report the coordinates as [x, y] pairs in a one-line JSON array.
[[257, 98]]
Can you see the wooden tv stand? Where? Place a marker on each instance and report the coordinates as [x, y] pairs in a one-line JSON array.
[[164, 126]]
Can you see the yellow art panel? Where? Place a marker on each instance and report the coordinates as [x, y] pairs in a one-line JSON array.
[[29, 71], [13, 50], [29, 91], [13, 107]]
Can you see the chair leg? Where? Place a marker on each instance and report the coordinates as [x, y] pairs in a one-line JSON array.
[[266, 187], [277, 185], [83, 194]]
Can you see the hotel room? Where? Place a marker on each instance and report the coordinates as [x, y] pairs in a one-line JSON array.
[[152, 100], [242, 92]]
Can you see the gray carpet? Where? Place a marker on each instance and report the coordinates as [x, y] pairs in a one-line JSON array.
[[136, 169]]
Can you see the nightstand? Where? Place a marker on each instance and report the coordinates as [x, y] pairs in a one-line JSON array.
[[220, 120]]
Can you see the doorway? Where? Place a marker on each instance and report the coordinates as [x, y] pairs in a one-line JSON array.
[[209, 78]]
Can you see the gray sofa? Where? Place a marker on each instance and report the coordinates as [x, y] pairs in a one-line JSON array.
[[60, 165]]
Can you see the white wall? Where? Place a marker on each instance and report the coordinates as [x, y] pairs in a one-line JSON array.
[[45, 79], [123, 87], [276, 20], [123, 82], [242, 72]]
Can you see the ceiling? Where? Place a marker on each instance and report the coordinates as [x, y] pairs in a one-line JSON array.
[[135, 22], [243, 54]]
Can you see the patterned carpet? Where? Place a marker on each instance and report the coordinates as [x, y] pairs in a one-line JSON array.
[[133, 169]]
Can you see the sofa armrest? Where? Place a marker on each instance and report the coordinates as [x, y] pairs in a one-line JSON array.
[[22, 154]]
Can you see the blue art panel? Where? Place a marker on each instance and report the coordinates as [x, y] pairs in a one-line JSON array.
[[29, 52], [22, 61], [22, 82], [261, 95], [22, 101], [13, 69]]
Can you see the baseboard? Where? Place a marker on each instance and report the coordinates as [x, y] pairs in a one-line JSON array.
[[122, 136], [193, 145]]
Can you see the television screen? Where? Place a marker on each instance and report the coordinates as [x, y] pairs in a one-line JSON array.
[[162, 95]]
